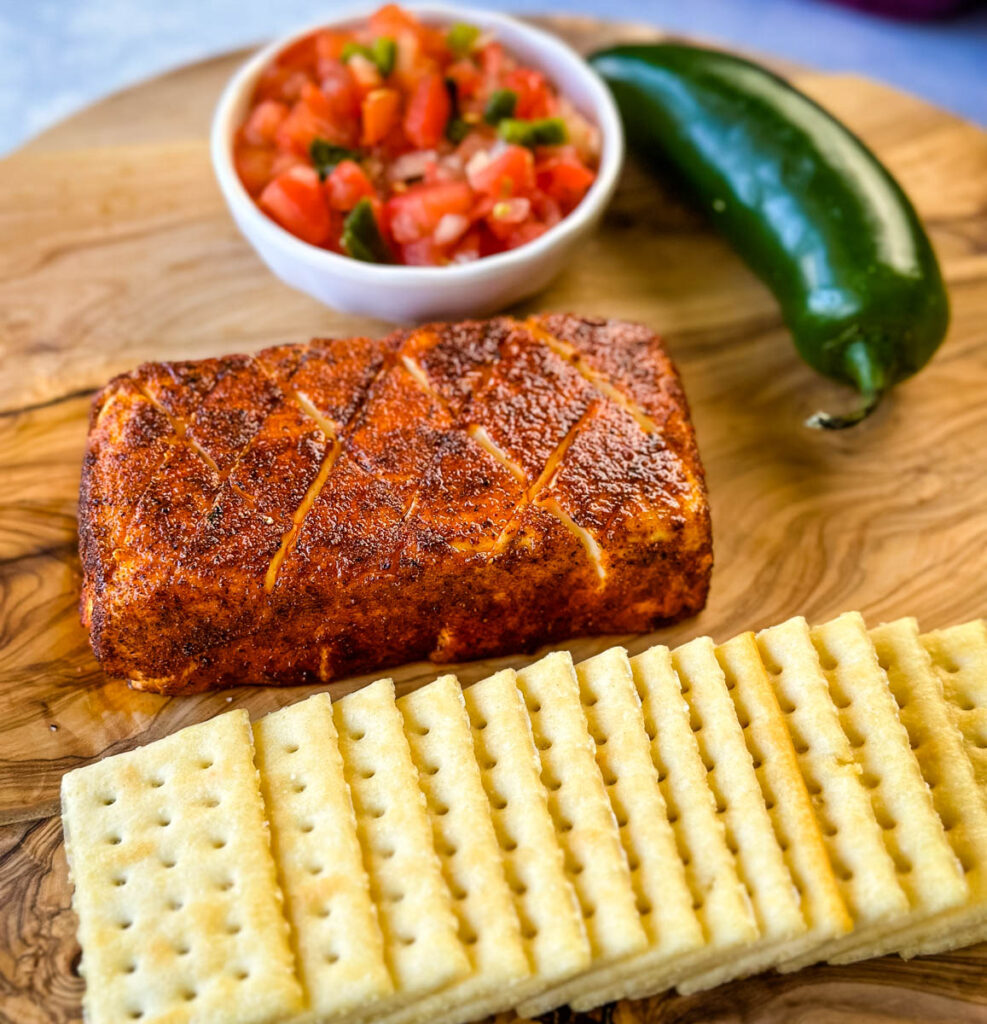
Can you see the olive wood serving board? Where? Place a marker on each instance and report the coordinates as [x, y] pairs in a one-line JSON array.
[[118, 248]]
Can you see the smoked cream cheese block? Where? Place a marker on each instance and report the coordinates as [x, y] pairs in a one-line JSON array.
[[559, 835], [326, 509]]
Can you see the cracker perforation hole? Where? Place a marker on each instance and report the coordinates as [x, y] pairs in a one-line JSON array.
[[108, 800], [155, 782], [208, 762], [114, 840], [902, 864], [855, 736]]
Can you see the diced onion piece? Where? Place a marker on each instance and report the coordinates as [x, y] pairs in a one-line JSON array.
[[582, 134], [477, 162], [411, 165], [451, 227], [364, 71]]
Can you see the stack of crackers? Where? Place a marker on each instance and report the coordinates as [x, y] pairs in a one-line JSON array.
[[559, 835]]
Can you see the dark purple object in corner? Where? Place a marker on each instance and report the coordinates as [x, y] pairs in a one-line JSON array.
[[910, 8]]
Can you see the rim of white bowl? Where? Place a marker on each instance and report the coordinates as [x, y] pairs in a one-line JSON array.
[[604, 114]]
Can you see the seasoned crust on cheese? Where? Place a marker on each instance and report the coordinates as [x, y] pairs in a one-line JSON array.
[[348, 504]]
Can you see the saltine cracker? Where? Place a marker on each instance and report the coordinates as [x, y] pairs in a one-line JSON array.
[[720, 899], [551, 921], [335, 934], [623, 752], [180, 915], [584, 822], [959, 800], [438, 731], [421, 933], [863, 867], [785, 794], [928, 870], [742, 807], [959, 655]]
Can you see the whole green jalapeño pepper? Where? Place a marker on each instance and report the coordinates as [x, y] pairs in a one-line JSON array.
[[802, 200]]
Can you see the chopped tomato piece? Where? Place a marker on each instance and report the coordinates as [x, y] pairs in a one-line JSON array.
[[415, 214], [423, 253], [296, 201], [391, 20], [317, 115], [532, 92], [277, 83], [428, 111], [467, 77], [300, 55], [264, 121], [347, 185], [492, 61], [511, 172], [254, 165], [329, 49], [285, 160], [338, 98], [525, 233], [380, 115], [468, 249], [506, 214], [565, 180]]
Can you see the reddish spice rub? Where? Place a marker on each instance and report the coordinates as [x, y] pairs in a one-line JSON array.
[[454, 491]]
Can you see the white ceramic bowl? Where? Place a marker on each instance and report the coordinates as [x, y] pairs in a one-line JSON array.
[[400, 293]]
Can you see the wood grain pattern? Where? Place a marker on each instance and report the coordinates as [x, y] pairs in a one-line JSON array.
[[119, 249]]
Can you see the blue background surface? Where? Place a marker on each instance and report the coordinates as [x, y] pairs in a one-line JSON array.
[[59, 55]]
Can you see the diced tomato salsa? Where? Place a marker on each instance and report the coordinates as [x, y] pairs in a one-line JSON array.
[[409, 143]]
